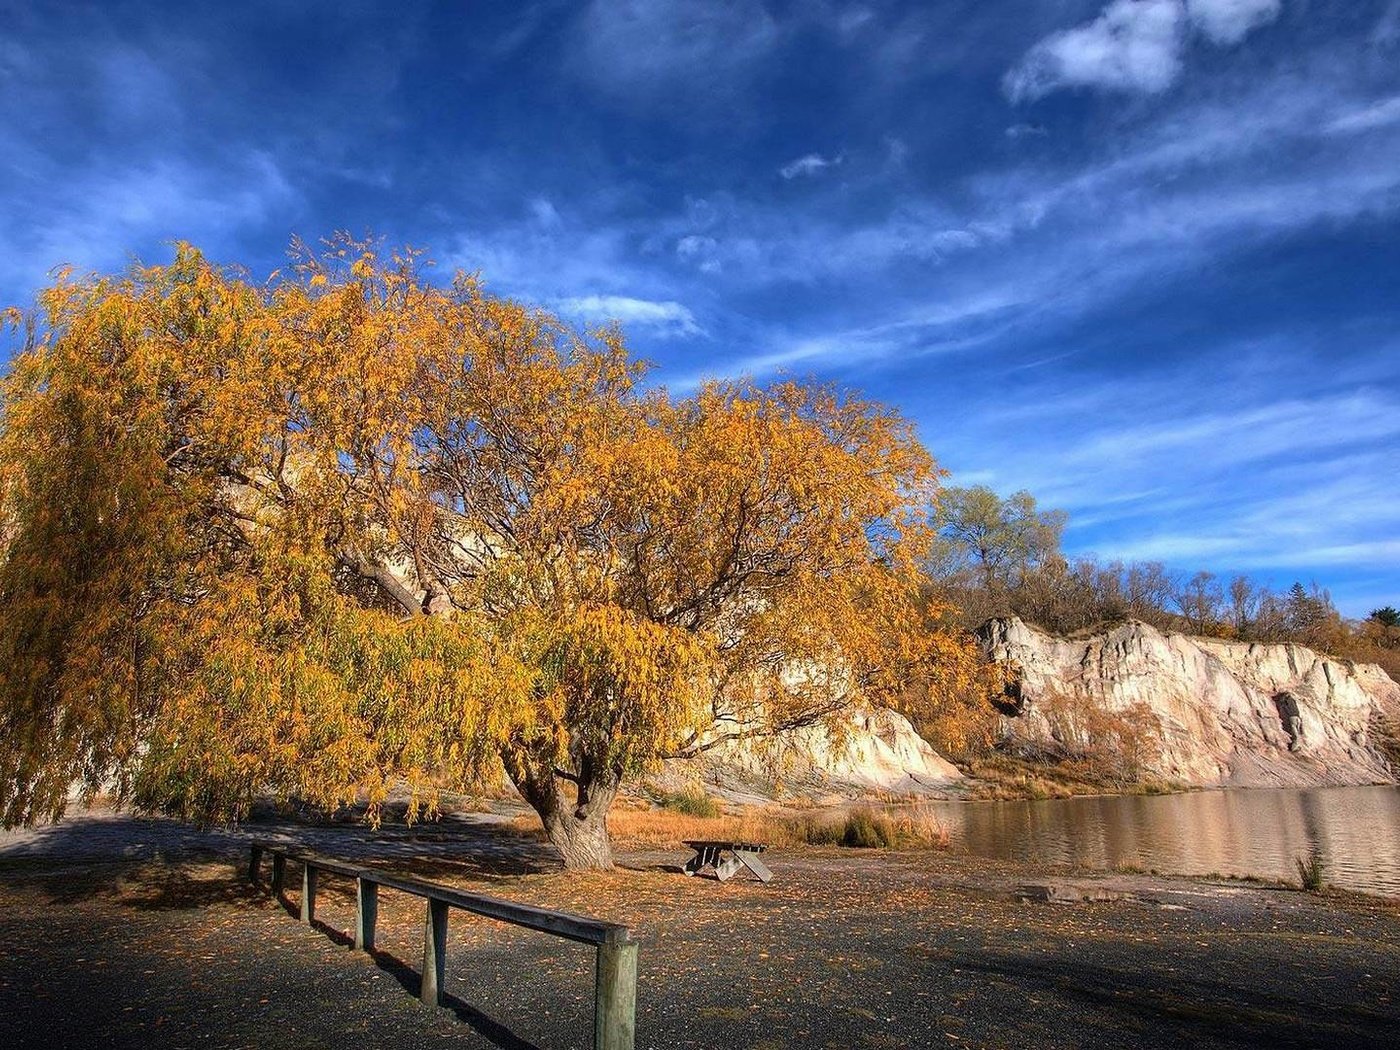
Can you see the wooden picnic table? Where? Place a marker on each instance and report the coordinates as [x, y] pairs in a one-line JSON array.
[[710, 853]]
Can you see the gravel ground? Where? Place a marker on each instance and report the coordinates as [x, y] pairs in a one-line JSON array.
[[118, 932]]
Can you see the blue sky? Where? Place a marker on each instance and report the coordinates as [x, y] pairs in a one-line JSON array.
[[1139, 257]]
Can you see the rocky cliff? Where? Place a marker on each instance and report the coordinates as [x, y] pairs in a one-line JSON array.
[[1193, 710], [875, 753]]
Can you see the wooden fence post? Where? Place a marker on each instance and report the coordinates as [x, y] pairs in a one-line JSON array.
[[366, 913], [615, 997], [434, 952], [615, 977], [308, 892]]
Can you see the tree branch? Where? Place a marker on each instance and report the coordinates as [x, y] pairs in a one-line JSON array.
[[381, 575], [695, 745]]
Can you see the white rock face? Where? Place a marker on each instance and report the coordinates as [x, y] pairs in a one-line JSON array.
[[1216, 711], [875, 751]]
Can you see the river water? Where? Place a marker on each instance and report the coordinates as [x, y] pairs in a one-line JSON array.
[[1355, 831]]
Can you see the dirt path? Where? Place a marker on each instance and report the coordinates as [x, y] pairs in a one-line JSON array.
[[116, 932]]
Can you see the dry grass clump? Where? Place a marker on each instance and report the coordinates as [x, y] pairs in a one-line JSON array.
[[1007, 777], [912, 827], [672, 827], [692, 803], [1310, 873]]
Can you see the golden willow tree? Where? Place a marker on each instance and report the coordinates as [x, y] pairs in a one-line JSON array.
[[348, 529]]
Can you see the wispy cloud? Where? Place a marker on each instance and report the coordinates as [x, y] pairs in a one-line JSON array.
[[1387, 27], [1226, 22], [1375, 115], [1235, 435], [105, 161], [1251, 551], [945, 328], [1133, 45], [666, 317], [647, 50], [1022, 131], [1160, 196], [96, 222], [810, 164], [1042, 247], [545, 257]]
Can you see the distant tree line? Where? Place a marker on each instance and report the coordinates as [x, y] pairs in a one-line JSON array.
[[999, 556]]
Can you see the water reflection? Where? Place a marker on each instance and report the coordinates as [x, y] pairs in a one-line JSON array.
[[1355, 832]]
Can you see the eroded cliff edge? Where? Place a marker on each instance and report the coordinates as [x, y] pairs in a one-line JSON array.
[[1197, 711]]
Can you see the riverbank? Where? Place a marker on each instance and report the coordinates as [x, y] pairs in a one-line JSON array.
[[126, 933], [1349, 836]]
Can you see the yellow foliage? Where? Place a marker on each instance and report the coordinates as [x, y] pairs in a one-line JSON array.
[[349, 528]]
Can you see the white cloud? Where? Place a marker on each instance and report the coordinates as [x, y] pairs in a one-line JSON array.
[[544, 212], [946, 328], [694, 245], [896, 151], [544, 262], [1226, 22], [853, 20], [136, 89], [669, 318], [639, 48], [1243, 435], [1156, 201], [1387, 29], [1151, 202], [700, 250], [1133, 45], [1022, 131], [1247, 549], [811, 164], [96, 222], [1376, 115]]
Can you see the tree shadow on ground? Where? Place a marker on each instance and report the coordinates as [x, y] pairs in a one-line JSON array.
[[481, 851], [410, 979], [1196, 1007], [157, 883], [472, 868], [412, 982], [157, 864], [658, 869], [154, 865]]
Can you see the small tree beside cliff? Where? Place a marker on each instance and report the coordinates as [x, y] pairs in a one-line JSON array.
[[348, 528]]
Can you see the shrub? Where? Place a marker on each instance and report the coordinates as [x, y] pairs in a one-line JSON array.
[[815, 831], [1310, 872], [691, 803], [865, 828], [1108, 746], [909, 827]]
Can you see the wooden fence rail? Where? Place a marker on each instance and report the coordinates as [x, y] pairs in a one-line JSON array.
[[615, 974]]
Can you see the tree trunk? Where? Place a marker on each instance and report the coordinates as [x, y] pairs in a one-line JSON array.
[[583, 842], [578, 829]]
